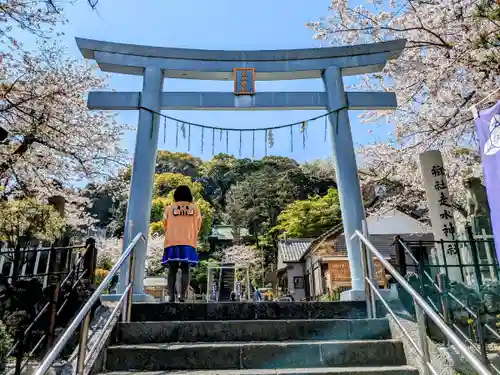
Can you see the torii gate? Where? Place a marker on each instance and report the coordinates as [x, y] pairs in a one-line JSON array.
[[157, 63]]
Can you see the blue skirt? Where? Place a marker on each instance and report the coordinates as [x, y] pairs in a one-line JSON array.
[[180, 254]]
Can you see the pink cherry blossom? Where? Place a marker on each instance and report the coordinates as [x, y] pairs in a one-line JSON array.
[[443, 70]]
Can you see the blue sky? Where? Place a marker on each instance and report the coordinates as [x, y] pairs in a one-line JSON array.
[[218, 24]]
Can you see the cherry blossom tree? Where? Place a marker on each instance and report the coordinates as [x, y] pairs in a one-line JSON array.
[[37, 17], [109, 251], [155, 255], [55, 142], [240, 255], [245, 256], [451, 61]]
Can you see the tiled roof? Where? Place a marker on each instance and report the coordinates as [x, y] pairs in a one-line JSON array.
[[333, 232], [384, 224], [292, 250]]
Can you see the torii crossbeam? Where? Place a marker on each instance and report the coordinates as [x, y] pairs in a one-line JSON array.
[[157, 63]]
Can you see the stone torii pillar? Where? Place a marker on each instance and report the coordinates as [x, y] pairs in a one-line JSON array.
[[143, 171], [349, 188], [156, 63]]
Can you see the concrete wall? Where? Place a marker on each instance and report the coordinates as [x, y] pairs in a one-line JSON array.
[[295, 270]]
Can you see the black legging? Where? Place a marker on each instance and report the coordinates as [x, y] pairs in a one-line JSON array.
[[173, 267]]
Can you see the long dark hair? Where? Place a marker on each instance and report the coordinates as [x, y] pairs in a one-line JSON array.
[[183, 194]]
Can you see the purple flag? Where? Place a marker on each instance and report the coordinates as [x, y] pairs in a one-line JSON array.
[[488, 131]]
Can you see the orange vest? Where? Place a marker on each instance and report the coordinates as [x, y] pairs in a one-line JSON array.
[[182, 223]]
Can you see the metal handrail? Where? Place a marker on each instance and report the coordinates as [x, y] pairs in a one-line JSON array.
[[448, 293], [83, 317], [481, 347], [421, 306]]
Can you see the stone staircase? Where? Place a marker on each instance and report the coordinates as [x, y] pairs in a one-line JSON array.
[[256, 338]]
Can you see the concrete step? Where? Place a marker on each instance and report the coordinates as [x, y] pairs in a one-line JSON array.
[[393, 370], [255, 355], [247, 311], [253, 330]]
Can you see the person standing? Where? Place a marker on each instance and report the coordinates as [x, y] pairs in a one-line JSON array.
[[257, 295], [182, 223]]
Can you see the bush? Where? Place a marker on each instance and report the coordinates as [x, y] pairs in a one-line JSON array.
[[156, 228], [100, 274], [491, 296], [5, 341], [331, 297]]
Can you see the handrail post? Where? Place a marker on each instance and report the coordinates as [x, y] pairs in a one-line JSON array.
[[481, 338], [53, 315], [475, 258], [127, 307], [368, 289], [82, 347], [370, 271], [366, 273], [248, 285], [421, 271], [90, 260], [422, 333], [400, 254], [444, 302], [20, 350]]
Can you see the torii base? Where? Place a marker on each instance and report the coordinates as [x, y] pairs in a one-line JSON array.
[[359, 295], [139, 297], [353, 295]]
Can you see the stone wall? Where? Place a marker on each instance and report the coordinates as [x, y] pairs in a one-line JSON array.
[[445, 360]]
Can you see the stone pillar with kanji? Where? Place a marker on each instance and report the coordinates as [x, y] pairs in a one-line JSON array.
[[439, 202]]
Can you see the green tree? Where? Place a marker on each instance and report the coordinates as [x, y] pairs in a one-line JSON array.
[[108, 201], [257, 201], [218, 177], [310, 218], [22, 221], [165, 183], [178, 162], [29, 219]]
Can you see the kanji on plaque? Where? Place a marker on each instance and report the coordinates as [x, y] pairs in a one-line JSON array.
[[244, 81]]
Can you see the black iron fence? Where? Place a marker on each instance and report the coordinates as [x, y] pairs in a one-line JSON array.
[[40, 291], [476, 258], [466, 294]]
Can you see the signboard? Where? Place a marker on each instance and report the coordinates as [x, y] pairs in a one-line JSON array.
[[440, 210], [244, 81]]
